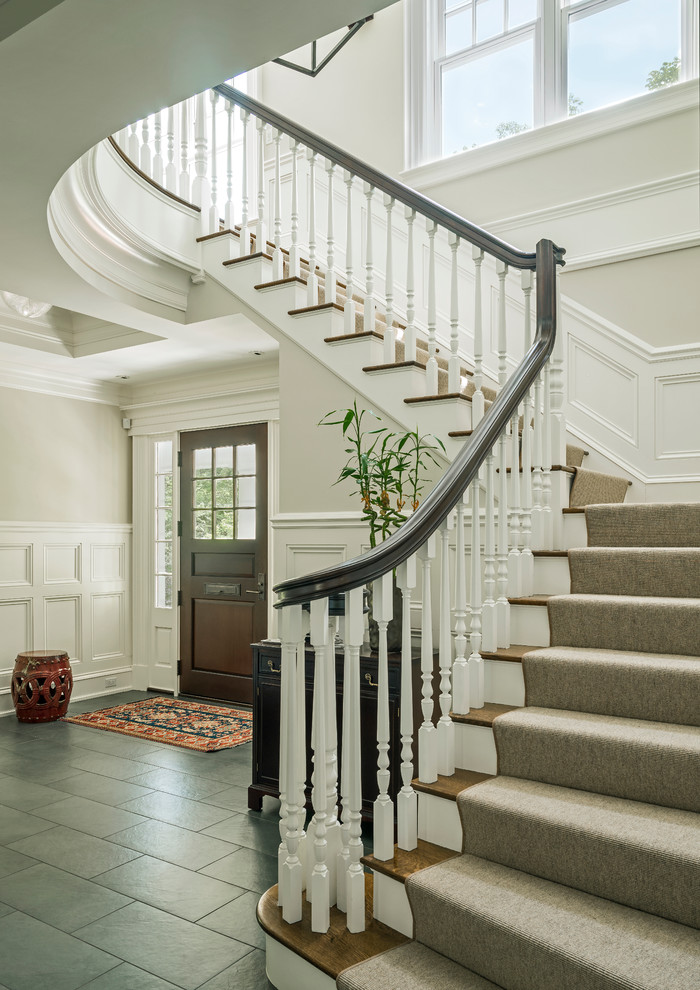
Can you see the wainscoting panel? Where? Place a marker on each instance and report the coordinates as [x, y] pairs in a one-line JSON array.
[[678, 416], [66, 586]]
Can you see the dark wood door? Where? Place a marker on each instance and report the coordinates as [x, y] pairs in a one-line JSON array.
[[223, 559]]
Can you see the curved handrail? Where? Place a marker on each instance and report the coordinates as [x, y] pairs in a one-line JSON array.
[[409, 197]]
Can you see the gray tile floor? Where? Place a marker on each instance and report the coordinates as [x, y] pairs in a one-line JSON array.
[[128, 865]]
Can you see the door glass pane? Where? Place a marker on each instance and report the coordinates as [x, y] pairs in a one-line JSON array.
[[245, 492], [223, 493], [164, 591], [458, 31], [164, 557], [164, 457], [621, 51], [223, 524], [202, 462], [164, 524], [245, 524], [521, 12], [165, 490], [489, 19], [245, 458], [202, 493], [202, 525], [223, 460], [489, 97]]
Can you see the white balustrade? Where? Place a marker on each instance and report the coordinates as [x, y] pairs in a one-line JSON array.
[[133, 147], [445, 728], [409, 338], [157, 142], [427, 734], [261, 226], [349, 282], [390, 332], [352, 894], [454, 366], [277, 256], [460, 667], [312, 277], [170, 168], [318, 881], [431, 369], [214, 209], [145, 150], [383, 805], [184, 181], [476, 663], [244, 234], [291, 875], [527, 567], [200, 185], [407, 799], [478, 396], [330, 290], [489, 624], [370, 304], [294, 259], [547, 528], [229, 218], [502, 605]]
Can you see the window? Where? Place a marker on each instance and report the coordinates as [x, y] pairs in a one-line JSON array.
[[223, 493], [483, 70], [164, 523]]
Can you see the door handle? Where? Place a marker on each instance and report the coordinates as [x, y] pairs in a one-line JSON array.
[[260, 590]]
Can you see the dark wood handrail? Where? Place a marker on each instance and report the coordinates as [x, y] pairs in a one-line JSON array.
[[409, 197], [152, 182], [449, 490]]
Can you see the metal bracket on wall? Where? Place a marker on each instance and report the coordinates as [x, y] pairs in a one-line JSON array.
[[316, 66]]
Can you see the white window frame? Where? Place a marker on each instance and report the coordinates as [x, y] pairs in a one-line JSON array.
[[424, 60]]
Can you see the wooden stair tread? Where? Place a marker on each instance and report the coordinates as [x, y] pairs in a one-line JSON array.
[[353, 336], [530, 600], [483, 716], [570, 510], [393, 364], [318, 308], [247, 257], [338, 948], [550, 553], [441, 397], [457, 434], [513, 653], [217, 233], [280, 281], [450, 787], [407, 862]]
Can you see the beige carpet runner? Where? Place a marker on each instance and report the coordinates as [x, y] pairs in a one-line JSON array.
[[581, 860]]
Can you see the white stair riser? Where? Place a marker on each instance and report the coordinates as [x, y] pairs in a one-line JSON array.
[[475, 748], [241, 277], [400, 382], [503, 682], [574, 531], [291, 295], [312, 328], [552, 576], [390, 904], [529, 625], [439, 821], [435, 416], [288, 971]]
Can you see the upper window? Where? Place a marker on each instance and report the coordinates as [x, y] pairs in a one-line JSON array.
[[494, 68]]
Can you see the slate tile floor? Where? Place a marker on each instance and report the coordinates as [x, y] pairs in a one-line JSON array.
[[128, 865]]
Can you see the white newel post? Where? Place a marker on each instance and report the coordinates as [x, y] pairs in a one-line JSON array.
[[292, 871], [261, 226], [445, 726], [349, 284], [476, 662], [277, 256], [244, 237], [453, 375], [409, 338], [527, 563], [460, 667], [354, 886], [294, 266], [200, 186], [489, 628], [370, 306], [330, 291], [407, 800], [312, 278], [383, 806], [157, 144], [478, 396], [145, 151], [170, 169], [318, 885], [184, 180], [390, 332], [229, 219], [427, 738], [431, 368], [214, 210]]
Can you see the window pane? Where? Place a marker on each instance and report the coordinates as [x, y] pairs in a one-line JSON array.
[[202, 462], [165, 489], [489, 19], [164, 456], [245, 459], [245, 524], [164, 524], [164, 591], [613, 51], [202, 493], [164, 558], [202, 525], [488, 97], [223, 494], [521, 12], [223, 524], [245, 493], [223, 460], [449, 4], [458, 31]]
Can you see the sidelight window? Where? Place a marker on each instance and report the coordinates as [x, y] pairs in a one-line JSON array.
[[164, 523]]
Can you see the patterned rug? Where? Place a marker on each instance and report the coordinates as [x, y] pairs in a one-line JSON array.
[[190, 724]]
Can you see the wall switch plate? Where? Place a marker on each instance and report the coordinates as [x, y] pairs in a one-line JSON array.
[[110, 682]]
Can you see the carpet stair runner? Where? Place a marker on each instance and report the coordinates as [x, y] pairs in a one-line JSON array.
[[580, 867]]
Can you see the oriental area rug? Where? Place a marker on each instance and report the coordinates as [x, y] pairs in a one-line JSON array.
[[190, 724]]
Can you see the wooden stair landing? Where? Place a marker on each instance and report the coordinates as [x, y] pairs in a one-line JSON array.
[[338, 948], [450, 787], [406, 862]]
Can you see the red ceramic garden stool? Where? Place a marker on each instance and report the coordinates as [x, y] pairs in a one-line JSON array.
[[42, 682]]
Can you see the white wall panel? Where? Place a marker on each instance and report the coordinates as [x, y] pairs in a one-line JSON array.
[[107, 562], [62, 563], [15, 565], [15, 631], [63, 626], [604, 390], [107, 626], [678, 416]]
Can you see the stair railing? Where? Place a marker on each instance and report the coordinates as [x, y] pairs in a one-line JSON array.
[[500, 483]]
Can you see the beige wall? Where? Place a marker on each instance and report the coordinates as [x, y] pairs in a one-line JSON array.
[[64, 460]]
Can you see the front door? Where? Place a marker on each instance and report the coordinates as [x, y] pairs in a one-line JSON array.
[[223, 559]]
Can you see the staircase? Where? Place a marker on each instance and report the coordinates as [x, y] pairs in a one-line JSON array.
[[551, 839]]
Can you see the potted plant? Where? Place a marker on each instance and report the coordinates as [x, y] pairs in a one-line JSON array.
[[388, 471]]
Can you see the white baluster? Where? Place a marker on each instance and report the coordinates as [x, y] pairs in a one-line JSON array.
[[537, 494], [558, 429], [287, 649], [407, 799], [312, 278], [145, 152], [261, 226], [157, 142], [409, 337], [427, 734], [370, 305], [445, 726], [431, 368], [514, 578], [476, 663], [349, 284], [333, 837], [527, 572], [330, 288], [292, 871], [383, 805], [390, 332], [547, 458], [184, 184], [489, 631], [244, 236], [133, 147], [200, 186], [170, 169], [318, 891], [277, 256], [229, 215], [478, 379], [294, 267], [460, 667], [301, 748], [214, 210], [454, 371], [354, 887], [502, 606]]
